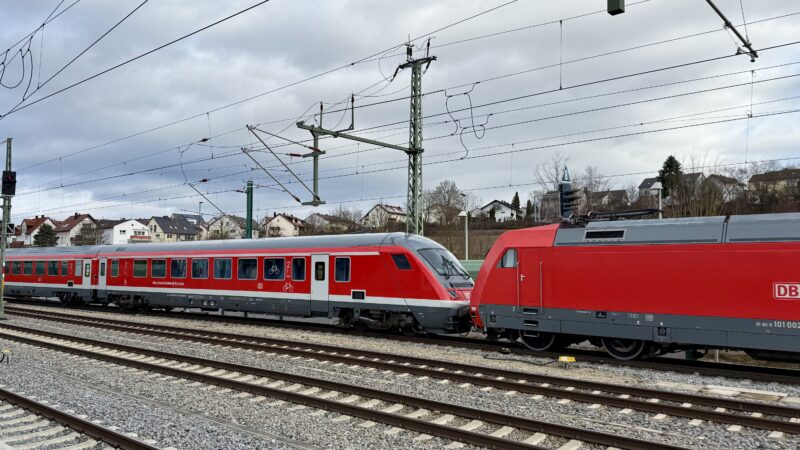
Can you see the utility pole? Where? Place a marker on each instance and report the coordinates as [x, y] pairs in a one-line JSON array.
[[9, 181], [414, 222], [248, 228]]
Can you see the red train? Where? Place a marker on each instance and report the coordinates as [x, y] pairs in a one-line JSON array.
[[643, 287], [390, 281]]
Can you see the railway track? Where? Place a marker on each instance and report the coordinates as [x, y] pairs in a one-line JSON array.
[[732, 412], [26, 423], [726, 370], [428, 417]]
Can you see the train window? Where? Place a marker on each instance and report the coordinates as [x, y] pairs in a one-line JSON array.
[[39, 267], [223, 269], [509, 259], [64, 268], [87, 270], [102, 269], [298, 269], [247, 269], [401, 261], [115, 268], [177, 268], [140, 268], [78, 268], [16, 268], [158, 268], [7, 268], [319, 271], [52, 268], [341, 271], [27, 267], [200, 268], [274, 268]]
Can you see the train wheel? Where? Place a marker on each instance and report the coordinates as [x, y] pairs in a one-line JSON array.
[[625, 348], [539, 342]]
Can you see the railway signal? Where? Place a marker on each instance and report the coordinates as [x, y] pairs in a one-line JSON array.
[[9, 187]]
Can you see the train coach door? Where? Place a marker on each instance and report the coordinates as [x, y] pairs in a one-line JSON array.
[[86, 282], [319, 281], [101, 279], [529, 271]]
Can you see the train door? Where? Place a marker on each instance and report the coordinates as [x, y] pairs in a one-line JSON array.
[[86, 282], [529, 277], [319, 281], [101, 279]]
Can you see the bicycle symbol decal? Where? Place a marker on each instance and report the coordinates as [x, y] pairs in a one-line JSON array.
[[287, 287], [274, 270]]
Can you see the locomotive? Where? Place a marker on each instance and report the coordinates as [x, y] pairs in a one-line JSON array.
[[645, 287], [378, 281]]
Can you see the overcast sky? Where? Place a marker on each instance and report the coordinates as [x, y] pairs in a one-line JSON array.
[[284, 42]]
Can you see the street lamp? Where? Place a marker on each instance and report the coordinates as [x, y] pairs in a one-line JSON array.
[[658, 187]]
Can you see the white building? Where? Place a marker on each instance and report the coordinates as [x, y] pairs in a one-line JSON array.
[[283, 225], [229, 227], [381, 216], [72, 226], [29, 228], [118, 232], [503, 211], [326, 222]]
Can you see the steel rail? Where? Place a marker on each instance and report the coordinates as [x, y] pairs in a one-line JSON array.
[[86, 427], [485, 376], [401, 421]]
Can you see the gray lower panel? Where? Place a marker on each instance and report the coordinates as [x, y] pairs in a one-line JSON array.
[[767, 334]]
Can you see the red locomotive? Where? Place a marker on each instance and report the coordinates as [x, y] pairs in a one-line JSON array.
[[386, 281], [644, 287]]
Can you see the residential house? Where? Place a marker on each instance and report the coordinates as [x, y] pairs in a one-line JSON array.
[[29, 228], [727, 186], [503, 211], [774, 181], [202, 231], [283, 225], [230, 227], [611, 200], [646, 187], [194, 219], [77, 229], [171, 229], [328, 223], [382, 216], [118, 232], [691, 180]]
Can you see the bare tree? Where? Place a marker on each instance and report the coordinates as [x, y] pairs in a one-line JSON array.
[[444, 202], [592, 182], [350, 214], [548, 173]]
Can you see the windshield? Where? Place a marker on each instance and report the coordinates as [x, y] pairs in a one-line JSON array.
[[444, 263]]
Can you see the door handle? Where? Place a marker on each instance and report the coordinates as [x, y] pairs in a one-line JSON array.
[[521, 278]]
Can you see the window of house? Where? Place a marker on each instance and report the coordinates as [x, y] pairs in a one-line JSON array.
[[177, 268], [274, 268], [28, 267], [115, 268], [64, 268], [16, 268], [39, 267], [319, 270], [52, 268], [298, 269], [509, 259], [247, 269], [140, 268], [199, 268], [169, 236], [401, 261], [158, 268], [341, 270], [223, 269]]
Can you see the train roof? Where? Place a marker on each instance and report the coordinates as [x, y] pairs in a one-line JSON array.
[[412, 242], [783, 227]]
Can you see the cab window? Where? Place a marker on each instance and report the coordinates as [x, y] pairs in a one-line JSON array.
[[509, 259], [401, 261]]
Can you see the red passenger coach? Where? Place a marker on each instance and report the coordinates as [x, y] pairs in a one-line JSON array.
[[385, 281], [642, 287]]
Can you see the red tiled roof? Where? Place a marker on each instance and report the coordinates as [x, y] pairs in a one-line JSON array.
[[71, 222]]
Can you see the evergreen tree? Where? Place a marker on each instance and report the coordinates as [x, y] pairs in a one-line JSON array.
[[670, 176], [515, 201], [528, 209], [46, 237]]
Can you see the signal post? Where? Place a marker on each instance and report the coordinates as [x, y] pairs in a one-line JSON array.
[[8, 189]]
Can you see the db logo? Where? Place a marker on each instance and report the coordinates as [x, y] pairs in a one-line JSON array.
[[787, 291]]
